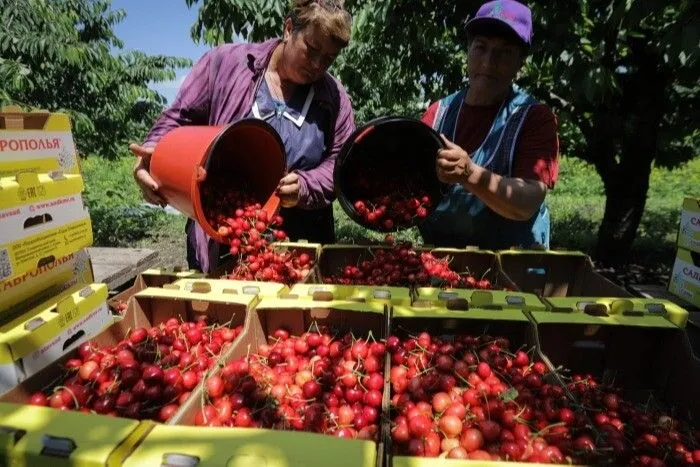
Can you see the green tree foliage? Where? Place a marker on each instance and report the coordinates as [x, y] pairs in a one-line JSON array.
[[60, 55], [621, 74]]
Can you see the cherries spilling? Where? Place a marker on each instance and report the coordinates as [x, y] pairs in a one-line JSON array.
[[312, 382], [250, 232], [147, 375], [285, 267]]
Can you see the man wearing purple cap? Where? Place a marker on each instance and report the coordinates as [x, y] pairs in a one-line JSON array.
[[502, 146]]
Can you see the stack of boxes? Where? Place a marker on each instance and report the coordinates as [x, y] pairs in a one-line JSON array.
[[685, 276], [45, 228]]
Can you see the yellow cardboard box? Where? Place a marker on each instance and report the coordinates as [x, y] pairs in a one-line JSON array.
[[685, 276], [38, 436], [24, 291], [43, 218], [257, 447], [689, 230], [148, 308], [36, 142], [41, 336], [219, 447], [201, 285]]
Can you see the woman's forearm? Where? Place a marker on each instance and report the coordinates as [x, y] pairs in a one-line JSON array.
[[512, 198]]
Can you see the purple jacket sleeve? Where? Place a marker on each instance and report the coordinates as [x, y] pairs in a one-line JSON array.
[[316, 185], [191, 105]]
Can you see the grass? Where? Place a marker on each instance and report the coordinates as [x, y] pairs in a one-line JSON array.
[[577, 204], [121, 219]]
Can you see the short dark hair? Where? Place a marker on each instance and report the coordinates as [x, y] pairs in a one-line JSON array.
[[330, 15], [494, 28]]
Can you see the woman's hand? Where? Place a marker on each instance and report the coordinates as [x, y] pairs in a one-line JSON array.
[[288, 190], [148, 186], [453, 163]]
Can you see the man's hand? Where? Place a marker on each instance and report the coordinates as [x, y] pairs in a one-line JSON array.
[[148, 186], [453, 163], [288, 190]]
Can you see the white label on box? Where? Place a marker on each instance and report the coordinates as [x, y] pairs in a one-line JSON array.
[[39, 144], [40, 217], [80, 331], [690, 230], [685, 280]]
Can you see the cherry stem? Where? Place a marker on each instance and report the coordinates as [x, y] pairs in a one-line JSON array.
[[70, 391]]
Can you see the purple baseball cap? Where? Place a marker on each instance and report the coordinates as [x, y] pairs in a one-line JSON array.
[[510, 13]]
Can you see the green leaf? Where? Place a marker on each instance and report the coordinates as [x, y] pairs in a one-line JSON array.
[[509, 395]]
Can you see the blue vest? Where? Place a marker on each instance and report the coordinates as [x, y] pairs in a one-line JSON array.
[[461, 218]]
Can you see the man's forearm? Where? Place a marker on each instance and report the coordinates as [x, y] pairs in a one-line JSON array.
[[512, 198]]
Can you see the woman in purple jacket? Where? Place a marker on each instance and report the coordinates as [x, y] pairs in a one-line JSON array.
[[284, 82]]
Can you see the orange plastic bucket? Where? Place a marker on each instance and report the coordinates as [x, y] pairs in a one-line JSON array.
[[187, 155]]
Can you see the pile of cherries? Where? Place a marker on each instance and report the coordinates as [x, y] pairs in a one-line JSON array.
[[405, 206], [399, 264], [474, 398], [311, 382], [147, 375]]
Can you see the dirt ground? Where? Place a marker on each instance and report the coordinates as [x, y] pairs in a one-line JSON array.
[[169, 243]]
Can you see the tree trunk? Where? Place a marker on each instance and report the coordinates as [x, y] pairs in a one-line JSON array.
[[627, 181], [625, 198]]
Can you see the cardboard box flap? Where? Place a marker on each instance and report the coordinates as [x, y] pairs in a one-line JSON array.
[[359, 293], [317, 306], [556, 274], [493, 299], [84, 439], [614, 311], [175, 292], [465, 313], [29, 332], [199, 285], [154, 305], [51, 304], [249, 447], [12, 117], [173, 271], [155, 277]]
